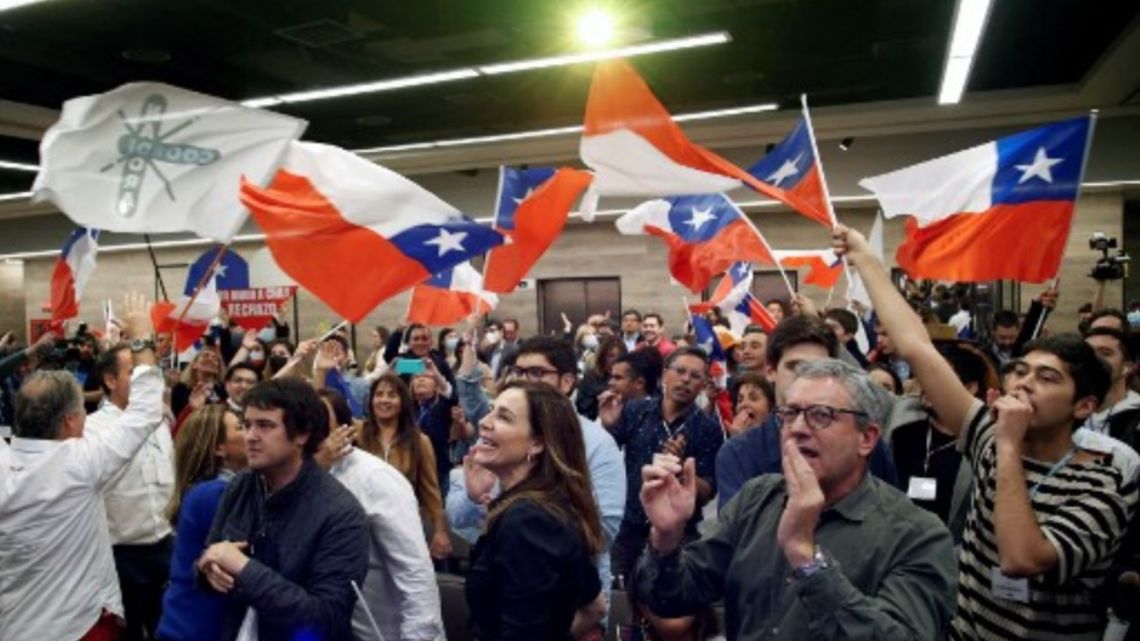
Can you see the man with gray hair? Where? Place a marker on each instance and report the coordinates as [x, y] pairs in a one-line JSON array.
[[57, 574], [825, 551]]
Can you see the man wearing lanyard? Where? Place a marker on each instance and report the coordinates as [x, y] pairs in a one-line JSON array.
[[1047, 517], [924, 448], [671, 423]]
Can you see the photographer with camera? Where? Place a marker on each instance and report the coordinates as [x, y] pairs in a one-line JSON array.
[[1107, 268]]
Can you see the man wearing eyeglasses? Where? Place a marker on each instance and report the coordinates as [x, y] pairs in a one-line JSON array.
[[671, 423], [825, 551], [798, 339]]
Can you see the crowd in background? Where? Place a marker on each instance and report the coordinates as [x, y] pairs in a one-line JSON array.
[[908, 470]]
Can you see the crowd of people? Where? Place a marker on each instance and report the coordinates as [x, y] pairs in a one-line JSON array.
[[920, 487]]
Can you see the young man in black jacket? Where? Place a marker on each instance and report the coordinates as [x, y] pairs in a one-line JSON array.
[[288, 539]]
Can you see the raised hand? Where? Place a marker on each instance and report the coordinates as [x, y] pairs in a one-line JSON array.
[[796, 531], [609, 408], [136, 312], [480, 482], [848, 242], [669, 496]]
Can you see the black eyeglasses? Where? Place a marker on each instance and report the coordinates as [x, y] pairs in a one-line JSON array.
[[818, 417], [533, 373]]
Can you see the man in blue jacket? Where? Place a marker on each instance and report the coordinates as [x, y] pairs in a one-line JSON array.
[[288, 539], [798, 339]]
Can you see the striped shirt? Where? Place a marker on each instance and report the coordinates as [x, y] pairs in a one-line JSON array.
[[1083, 510]]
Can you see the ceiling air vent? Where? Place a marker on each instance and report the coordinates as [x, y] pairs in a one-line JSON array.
[[322, 33]]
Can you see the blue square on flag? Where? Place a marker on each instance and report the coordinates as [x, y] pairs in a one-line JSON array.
[[1041, 164], [697, 219], [515, 185], [789, 161], [232, 271], [706, 337], [438, 247]]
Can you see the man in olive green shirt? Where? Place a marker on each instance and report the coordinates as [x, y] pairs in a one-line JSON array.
[[825, 551]]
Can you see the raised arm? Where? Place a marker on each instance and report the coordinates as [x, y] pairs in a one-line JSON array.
[[943, 390]]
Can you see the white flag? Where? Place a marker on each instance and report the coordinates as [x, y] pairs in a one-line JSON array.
[[151, 158]]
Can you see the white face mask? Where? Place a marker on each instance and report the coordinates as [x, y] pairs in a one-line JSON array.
[[491, 338], [451, 343], [702, 401], [590, 342]]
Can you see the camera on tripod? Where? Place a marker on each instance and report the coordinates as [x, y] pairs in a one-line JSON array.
[[1108, 267]]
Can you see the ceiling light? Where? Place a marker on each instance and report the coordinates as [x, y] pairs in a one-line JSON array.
[[19, 195], [465, 73], [14, 4], [969, 21], [556, 131], [18, 166], [719, 37], [366, 87], [595, 28]]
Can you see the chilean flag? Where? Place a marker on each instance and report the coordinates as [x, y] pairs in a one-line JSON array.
[[749, 311], [354, 233], [794, 173], [736, 282], [1001, 210], [73, 269], [706, 234], [197, 317], [450, 296], [636, 149], [531, 210], [707, 340], [824, 267]]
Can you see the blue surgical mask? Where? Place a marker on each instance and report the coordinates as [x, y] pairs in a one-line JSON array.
[[451, 343], [267, 335], [1134, 318]]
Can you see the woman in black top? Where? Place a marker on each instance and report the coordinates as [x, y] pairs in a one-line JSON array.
[[597, 379], [532, 577]]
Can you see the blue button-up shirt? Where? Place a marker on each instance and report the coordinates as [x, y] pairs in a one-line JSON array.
[[642, 432]]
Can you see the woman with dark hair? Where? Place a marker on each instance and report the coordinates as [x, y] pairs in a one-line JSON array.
[[208, 451], [532, 576], [597, 379], [885, 377], [390, 432]]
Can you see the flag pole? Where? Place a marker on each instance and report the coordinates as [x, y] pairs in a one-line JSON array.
[[157, 273], [203, 280], [822, 176], [756, 230]]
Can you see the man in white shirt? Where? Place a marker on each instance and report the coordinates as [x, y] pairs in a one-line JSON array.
[[400, 588], [136, 500], [57, 576]]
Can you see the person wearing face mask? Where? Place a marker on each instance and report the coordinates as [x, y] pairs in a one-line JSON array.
[[586, 346], [494, 349], [448, 345], [252, 351], [280, 351], [596, 379]]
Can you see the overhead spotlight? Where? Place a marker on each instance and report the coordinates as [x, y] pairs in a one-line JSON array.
[[846, 143], [595, 28]]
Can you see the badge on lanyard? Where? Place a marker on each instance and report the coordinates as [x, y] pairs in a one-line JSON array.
[[1009, 588], [922, 488]]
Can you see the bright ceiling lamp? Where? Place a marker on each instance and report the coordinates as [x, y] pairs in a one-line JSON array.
[[595, 28], [5, 5], [18, 166], [969, 22], [716, 38]]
